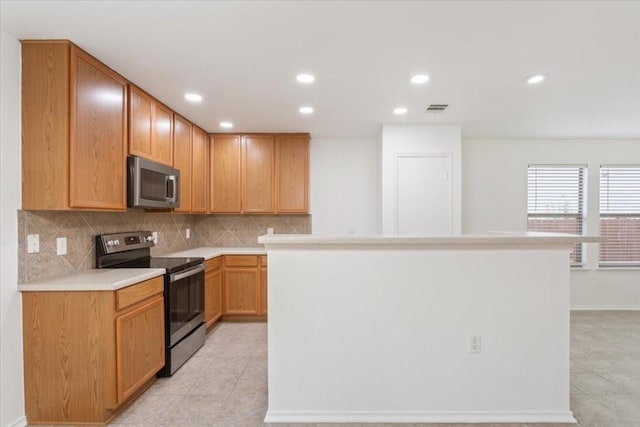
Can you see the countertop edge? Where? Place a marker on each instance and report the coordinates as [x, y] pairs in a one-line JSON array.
[[490, 239]]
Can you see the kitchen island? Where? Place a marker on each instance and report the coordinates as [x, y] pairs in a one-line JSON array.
[[470, 328]]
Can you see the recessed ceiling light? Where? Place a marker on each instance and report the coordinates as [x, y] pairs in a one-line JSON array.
[[305, 110], [226, 125], [193, 97], [400, 110], [536, 79], [305, 78], [419, 79]]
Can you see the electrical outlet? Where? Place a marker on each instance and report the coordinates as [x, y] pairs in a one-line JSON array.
[[155, 237], [187, 233], [33, 243], [475, 344], [61, 245], [269, 230]]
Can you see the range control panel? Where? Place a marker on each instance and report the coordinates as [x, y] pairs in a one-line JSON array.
[[120, 242]]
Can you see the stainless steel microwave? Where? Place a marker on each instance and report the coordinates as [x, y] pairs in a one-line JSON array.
[[152, 185]]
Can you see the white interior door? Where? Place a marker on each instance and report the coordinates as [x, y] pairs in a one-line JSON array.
[[423, 205]]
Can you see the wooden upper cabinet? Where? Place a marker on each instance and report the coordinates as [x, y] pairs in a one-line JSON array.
[[151, 129], [74, 125], [225, 174], [200, 171], [182, 159], [292, 173], [162, 135], [140, 105], [258, 164]]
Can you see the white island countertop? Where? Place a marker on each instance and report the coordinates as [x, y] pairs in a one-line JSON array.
[[491, 238], [105, 279]]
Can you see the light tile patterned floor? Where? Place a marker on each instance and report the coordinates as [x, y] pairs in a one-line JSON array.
[[225, 383]]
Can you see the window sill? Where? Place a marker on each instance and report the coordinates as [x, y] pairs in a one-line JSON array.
[[619, 269]]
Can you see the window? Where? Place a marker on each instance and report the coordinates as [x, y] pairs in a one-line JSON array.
[[620, 216], [556, 202]]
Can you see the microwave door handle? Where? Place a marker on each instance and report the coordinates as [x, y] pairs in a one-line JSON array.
[[171, 188]]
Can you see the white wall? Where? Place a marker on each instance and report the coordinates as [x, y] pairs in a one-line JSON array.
[[344, 183], [11, 382], [495, 198], [416, 139]]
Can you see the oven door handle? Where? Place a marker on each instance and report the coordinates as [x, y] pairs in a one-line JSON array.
[[188, 273]]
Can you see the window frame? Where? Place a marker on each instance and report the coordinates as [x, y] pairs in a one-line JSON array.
[[580, 216], [608, 265]]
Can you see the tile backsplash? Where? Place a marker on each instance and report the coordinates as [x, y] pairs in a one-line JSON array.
[[80, 229]]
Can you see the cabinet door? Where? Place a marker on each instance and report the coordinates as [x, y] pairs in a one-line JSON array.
[[212, 297], [257, 173], [182, 160], [200, 173], [225, 175], [139, 346], [140, 119], [162, 134], [97, 152], [241, 291], [292, 173]]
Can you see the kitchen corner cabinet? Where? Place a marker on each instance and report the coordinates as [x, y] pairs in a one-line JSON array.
[[87, 354], [243, 291], [292, 173], [74, 130], [151, 127], [213, 291], [182, 160]]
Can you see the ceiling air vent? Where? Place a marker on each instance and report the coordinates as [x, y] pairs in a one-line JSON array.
[[436, 108]]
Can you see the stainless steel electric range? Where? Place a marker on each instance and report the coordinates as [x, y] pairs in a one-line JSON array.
[[183, 291]]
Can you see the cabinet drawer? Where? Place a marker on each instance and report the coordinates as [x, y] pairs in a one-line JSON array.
[[213, 263], [263, 261], [141, 291], [241, 260]]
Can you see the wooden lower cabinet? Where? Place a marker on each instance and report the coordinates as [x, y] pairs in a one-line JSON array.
[[241, 291], [244, 287], [139, 346], [213, 291], [85, 359]]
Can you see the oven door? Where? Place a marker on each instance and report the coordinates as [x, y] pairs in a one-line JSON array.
[[185, 305]]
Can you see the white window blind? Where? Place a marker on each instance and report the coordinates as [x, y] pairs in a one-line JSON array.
[[620, 216], [555, 202]]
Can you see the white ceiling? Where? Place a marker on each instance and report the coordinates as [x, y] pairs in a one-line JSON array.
[[243, 58]]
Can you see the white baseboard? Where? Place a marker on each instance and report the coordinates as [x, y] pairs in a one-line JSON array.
[[20, 422], [420, 417], [606, 307]]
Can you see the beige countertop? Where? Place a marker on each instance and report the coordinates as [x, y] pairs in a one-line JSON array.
[[212, 252], [106, 279], [111, 279]]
